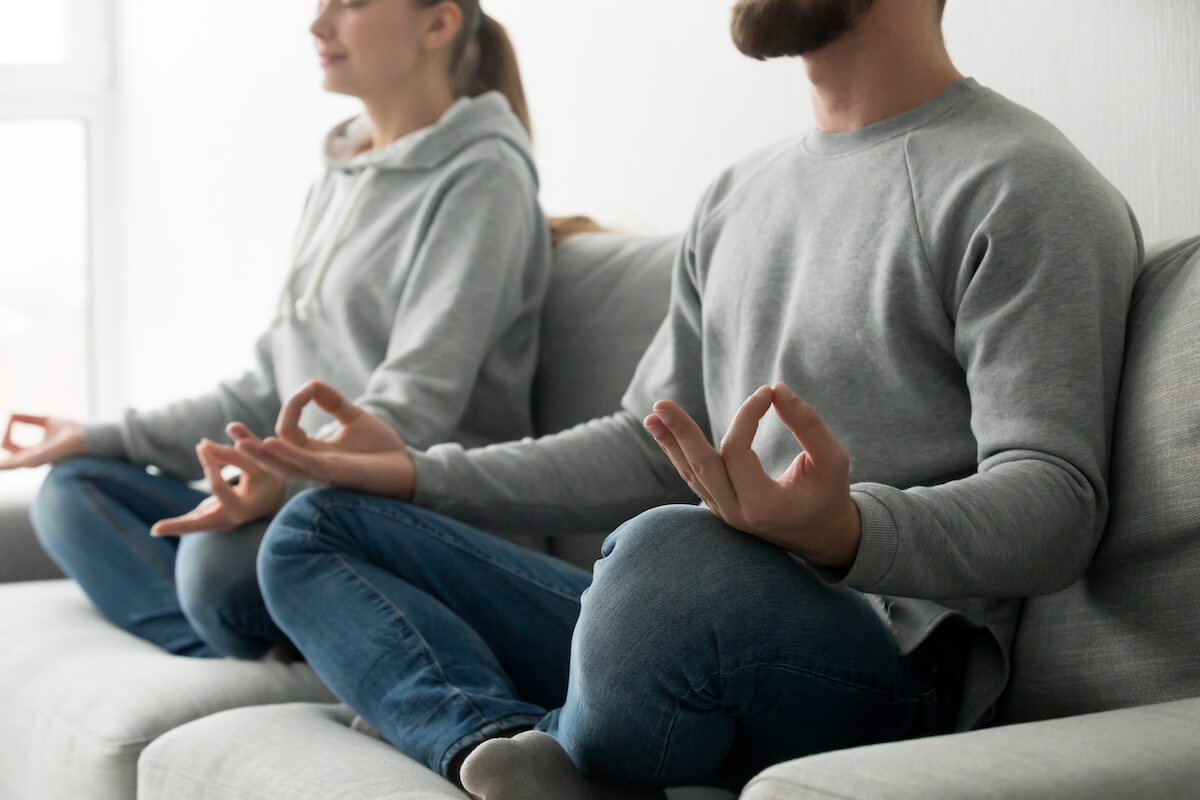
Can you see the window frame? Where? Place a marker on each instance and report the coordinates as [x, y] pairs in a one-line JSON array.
[[82, 87]]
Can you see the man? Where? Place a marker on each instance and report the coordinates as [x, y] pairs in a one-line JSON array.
[[940, 276]]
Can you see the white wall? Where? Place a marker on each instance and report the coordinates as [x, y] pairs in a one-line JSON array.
[[636, 105]]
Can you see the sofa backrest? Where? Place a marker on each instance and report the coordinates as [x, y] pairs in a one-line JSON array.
[[1128, 633], [608, 295]]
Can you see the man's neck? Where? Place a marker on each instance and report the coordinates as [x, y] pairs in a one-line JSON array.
[[888, 65]]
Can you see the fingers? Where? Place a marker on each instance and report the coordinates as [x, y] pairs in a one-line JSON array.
[[706, 463], [256, 449], [22, 419], [742, 430], [208, 516], [667, 443], [239, 432], [217, 484], [298, 460], [337, 406], [687, 443], [8, 444], [287, 427], [822, 447], [229, 455], [741, 462], [16, 462]]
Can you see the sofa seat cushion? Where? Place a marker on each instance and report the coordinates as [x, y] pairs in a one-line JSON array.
[[80, 698], [1132, 754], [1128, 633], [301, 751]]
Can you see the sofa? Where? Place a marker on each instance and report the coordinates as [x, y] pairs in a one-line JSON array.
[[1105, 693]]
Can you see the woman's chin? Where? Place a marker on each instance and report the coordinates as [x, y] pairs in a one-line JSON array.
[[334, 86]]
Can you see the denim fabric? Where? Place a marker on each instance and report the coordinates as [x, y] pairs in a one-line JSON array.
[[696, 654], [196, 595]]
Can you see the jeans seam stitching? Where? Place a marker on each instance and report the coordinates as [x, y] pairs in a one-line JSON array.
[[662, 757], [891, 697], [404, 618], [321, 514]]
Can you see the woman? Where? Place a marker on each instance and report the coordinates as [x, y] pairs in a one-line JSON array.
[[418, 274]]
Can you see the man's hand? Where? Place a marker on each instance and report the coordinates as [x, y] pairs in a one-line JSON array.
[[258, 493], [364, 454], [61, 438], [807, 511]]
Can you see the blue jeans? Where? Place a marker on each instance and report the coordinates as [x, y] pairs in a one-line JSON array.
[[196, 595], [694, 654]]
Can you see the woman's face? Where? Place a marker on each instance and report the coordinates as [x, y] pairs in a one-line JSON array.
[[373, 47]]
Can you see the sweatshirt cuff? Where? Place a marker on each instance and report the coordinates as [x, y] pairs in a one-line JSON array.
[[104, 439], [429, 479], [876, 550]]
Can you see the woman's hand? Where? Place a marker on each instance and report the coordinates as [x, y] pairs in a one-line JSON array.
[[807, 511], [364, 454], [61, 439], [258, 493]]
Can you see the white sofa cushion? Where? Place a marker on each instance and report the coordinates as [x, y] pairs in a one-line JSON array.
[[1146, 753], [80, 698], [298, 751]]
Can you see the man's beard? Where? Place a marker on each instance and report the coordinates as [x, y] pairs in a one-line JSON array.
[[765, 29]]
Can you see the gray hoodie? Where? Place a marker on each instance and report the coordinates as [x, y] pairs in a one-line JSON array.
[[418, 274]]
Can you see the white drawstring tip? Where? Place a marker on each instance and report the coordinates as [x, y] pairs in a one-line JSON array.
[[304, 310]]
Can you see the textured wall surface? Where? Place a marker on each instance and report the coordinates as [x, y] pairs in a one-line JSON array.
[[637, 105]]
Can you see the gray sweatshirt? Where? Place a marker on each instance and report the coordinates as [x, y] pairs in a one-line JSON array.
[[419, 273], [948, 288]]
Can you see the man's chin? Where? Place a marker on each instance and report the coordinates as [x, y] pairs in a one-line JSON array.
[[764, 29]]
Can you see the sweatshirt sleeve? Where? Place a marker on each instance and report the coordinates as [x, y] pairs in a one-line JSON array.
[[167, 437], [482, 263], [1037, 289], [597, 475]]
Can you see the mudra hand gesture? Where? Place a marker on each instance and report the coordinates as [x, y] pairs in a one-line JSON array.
[[807, 511], [364, 454]]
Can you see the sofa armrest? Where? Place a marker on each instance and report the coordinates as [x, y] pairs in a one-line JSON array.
[[1144, 752], [21, 557]]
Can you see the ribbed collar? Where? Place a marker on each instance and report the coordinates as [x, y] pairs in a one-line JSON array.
[[836, 144]]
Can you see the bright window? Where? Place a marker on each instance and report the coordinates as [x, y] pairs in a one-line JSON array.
[[43, 260], [55, 141], [34, 31]]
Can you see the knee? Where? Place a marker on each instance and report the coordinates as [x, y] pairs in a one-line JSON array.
[[651, 567], [62, 493], [311, 527], [670, 571], [206, 581], [658, 551], [289, 540]]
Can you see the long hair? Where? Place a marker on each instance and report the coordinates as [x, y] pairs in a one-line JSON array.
[[482, 59]]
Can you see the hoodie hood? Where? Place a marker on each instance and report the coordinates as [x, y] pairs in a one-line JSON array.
[[467, 122]]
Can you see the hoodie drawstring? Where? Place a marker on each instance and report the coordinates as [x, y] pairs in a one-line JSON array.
[[307, 302]]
